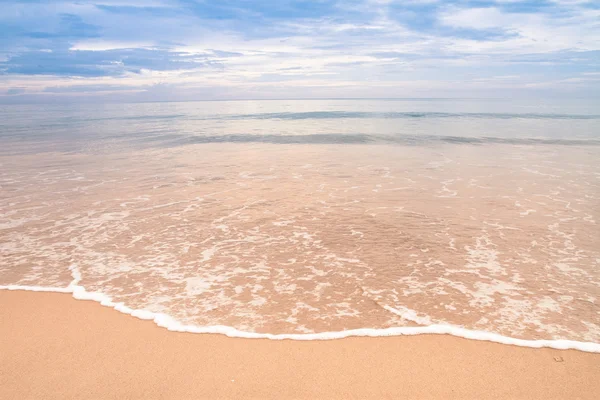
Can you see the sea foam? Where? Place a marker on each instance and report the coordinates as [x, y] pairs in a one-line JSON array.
[[168, 322]]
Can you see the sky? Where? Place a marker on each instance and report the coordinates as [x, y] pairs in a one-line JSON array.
[[179, 50]]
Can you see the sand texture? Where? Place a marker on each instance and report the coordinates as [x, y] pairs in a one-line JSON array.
[[54, 347]]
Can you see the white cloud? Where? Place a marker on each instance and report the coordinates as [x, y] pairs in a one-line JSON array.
[[349, 55], [477, 18]]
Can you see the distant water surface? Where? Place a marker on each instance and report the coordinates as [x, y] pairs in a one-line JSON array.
[[122, 127]]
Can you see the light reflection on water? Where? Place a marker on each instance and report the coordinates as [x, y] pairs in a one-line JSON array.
[[123, 127]]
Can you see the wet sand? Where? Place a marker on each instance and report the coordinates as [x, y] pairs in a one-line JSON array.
[[54, 347]]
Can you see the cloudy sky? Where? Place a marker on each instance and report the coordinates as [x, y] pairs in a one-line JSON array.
[[99, 50]]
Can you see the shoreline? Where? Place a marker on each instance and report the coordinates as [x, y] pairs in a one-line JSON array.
[[165, 321], [55, 347]]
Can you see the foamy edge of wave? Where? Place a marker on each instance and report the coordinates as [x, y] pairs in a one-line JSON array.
[[168, 322]]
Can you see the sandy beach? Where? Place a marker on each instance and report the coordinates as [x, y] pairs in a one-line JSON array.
[[290, 200], [55, 347]]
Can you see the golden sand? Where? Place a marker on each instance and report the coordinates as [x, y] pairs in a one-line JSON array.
[[54, 347]]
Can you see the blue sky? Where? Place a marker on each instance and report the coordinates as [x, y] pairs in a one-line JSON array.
[[236, 49]]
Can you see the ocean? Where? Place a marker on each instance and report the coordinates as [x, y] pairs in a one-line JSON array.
[[313, 219]]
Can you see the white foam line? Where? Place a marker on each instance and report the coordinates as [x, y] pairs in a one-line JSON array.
[[166, 321], [36, 288]]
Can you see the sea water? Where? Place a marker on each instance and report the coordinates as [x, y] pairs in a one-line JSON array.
[[313, 219]]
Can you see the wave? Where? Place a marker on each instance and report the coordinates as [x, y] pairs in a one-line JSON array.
[[159, 139], [398, 115], [358, 138], [287, 116], [171, 324], [149, 117]]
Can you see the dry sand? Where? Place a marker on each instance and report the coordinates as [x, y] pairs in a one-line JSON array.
[[54, 347]]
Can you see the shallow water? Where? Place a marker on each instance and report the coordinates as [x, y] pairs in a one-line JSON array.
[[312, 216]]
